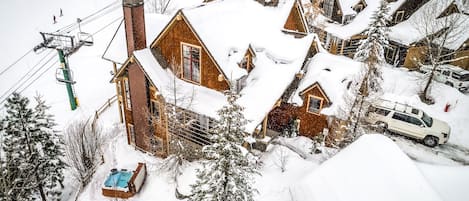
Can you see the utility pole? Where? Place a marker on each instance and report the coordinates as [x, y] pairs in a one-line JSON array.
[[65, 46]]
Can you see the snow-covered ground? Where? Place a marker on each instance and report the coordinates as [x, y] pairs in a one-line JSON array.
[[24, 19]]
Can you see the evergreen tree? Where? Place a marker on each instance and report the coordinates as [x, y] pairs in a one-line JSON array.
[[51, 165], [227, 172], [19, 154], [371, 53], [32, 152]]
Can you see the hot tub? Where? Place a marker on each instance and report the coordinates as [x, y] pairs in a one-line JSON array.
[[123, 183]]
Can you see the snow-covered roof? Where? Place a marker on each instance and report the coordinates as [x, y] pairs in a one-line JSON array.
[[412, 30], [361, 21], [333, 73], [228, 27], [347, 6], [372, 168], [265, 84], [117, 51]]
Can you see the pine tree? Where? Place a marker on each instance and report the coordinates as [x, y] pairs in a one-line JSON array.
[[371, 53], [32, 152], [51, 165], [18, 151], [227, 172]]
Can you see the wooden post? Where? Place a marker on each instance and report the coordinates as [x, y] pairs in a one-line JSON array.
[[119, 104]]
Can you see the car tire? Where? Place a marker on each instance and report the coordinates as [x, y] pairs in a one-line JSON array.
[[381, 127], [430, 141], [449, 84]]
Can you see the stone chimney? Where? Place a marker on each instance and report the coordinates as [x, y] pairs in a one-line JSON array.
[[134, 21]]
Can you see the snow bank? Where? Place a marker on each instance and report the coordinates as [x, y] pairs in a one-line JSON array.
[[450, 182], [371, 168]]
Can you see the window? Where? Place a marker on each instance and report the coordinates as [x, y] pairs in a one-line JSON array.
[[155, 109], [415, 121], [446, 72], [314, 104], [399, 16], [401, 117], [127, 94], [131, 133], [191, 63], [382, 112], [390, 52], [427, 119]]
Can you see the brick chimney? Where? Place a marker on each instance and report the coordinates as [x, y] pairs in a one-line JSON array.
[[136, 40], [134, 25]]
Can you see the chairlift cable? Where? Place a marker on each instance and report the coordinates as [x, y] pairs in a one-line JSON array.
[[85, 18], [9, 91], [112, 39], [15, 62]]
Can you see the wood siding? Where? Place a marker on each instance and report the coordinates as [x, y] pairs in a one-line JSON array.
[[310, 124], [169, 43], [294, 21], [414, 54], [463, 63], [408, 8]]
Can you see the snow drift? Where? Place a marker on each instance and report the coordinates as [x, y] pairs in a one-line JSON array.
[[372, 168]]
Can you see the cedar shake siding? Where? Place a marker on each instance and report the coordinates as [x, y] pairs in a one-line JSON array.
[[170, 44], [406, 10], [295, 20], [312, 123]]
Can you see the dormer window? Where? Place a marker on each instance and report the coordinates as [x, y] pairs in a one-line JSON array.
[[314, 104], [247, 62], [190, 62]]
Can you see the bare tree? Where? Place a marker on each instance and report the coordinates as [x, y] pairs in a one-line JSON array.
[[441, 30], [281, 158], [83, 149], [178, 98], [158, 6], [312, 11]]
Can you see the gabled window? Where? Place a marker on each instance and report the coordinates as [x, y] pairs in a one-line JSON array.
[[128, 104], [314, 104], [190, 62]]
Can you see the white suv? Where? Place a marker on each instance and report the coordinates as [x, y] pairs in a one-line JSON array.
[[408, 121], [451, 75]]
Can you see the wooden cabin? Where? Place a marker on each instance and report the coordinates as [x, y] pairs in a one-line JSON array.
[[344, 38], [202, 60], [342, 11], [411, 50]]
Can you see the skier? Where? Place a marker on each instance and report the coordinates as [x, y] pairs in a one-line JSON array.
[[61, 13], [53, 17]]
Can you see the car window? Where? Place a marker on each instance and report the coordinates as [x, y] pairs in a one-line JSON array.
[[456, 76], [415, 121], [401, 117], [464, 77], [446, 72], [427, 119], [382, 111]]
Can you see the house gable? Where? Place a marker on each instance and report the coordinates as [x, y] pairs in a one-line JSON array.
[[315, 90], [296, 21], [169, 42], [451, 9], [247, 62]]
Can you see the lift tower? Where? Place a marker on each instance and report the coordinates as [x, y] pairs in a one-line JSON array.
[[65, 45]]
